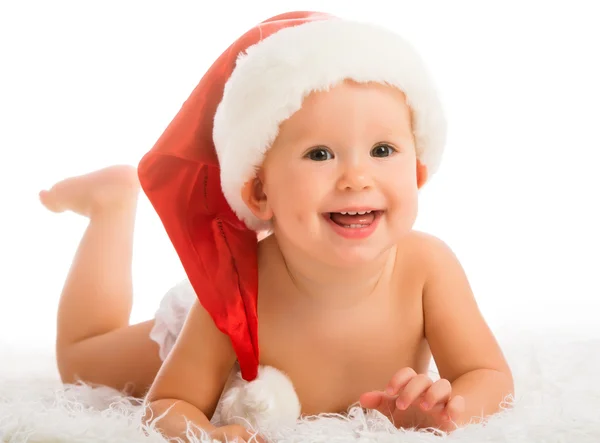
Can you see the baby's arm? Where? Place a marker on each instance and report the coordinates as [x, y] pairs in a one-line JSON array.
[[463, 346], [192, 378]]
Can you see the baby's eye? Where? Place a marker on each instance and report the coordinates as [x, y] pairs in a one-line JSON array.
[[382, 150], [319, 155]]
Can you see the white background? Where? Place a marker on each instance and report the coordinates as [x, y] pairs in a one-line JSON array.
[[88, 84]]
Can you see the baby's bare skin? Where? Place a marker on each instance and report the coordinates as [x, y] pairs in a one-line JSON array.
[[94, 340], [345, 319], [99, 192], [335, 350]]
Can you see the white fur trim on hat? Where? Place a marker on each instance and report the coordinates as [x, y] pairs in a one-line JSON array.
[[273, 77]]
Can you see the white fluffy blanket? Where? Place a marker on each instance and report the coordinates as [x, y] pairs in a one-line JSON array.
[[557, 400]]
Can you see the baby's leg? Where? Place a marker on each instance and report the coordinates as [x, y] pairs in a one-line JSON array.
[[95, 342]]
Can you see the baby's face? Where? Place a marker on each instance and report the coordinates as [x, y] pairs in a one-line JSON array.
[[350, 149]]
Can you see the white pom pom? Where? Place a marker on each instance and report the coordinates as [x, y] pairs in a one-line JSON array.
[[268, 402]]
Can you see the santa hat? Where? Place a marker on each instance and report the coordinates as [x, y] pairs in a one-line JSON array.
[[194, 174]]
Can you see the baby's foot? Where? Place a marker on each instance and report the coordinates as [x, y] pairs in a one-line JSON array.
[[101, 190]]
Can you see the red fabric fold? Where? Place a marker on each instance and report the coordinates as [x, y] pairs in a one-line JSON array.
[[180, 176]]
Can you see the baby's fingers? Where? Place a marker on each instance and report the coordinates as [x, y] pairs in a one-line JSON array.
[[438, 393], [399, 380], [413, 390], [371, 400], [379, 401]]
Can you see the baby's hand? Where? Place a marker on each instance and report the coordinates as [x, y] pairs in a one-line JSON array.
[[431, 404]]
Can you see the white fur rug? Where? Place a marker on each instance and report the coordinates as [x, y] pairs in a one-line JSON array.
[[557, 400]]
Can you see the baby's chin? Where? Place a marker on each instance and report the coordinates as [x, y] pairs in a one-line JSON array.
[[344, 253], [319, 243], [354, 257]]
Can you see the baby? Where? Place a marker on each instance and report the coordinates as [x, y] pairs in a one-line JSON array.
[[316, 141]]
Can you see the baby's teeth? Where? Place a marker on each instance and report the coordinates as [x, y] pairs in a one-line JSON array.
[[354, 213]]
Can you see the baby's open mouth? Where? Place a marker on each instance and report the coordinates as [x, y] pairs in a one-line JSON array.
[[353, 219]]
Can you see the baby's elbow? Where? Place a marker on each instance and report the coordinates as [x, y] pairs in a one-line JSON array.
[[510, 384], [155, 408], [155, 411], [175, 418], [505, 389]]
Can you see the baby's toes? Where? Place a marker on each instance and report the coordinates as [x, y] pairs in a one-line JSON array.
[[50, 201]]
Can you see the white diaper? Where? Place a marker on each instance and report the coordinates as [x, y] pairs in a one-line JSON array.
[[171, 315]]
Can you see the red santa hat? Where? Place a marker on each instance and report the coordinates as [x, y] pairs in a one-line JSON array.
[[194, 174]]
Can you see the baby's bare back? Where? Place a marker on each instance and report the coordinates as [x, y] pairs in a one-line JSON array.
[[334, 353]]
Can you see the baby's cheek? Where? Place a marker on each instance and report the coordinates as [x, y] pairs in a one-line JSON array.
[[409, 212], [404, 212], [301, 218], [289, 212]]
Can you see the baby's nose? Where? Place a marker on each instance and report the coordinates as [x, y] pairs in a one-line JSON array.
[[355, 177]]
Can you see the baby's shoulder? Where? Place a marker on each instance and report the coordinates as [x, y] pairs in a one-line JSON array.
[[424, 251], [421, 243]]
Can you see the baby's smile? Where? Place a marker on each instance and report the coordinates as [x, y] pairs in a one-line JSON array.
[[355, 223]]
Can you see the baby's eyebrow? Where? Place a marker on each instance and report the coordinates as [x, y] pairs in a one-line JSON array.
[[396, 134]]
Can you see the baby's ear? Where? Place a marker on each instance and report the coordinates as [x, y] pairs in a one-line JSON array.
[[256, 200], [421, 174]]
